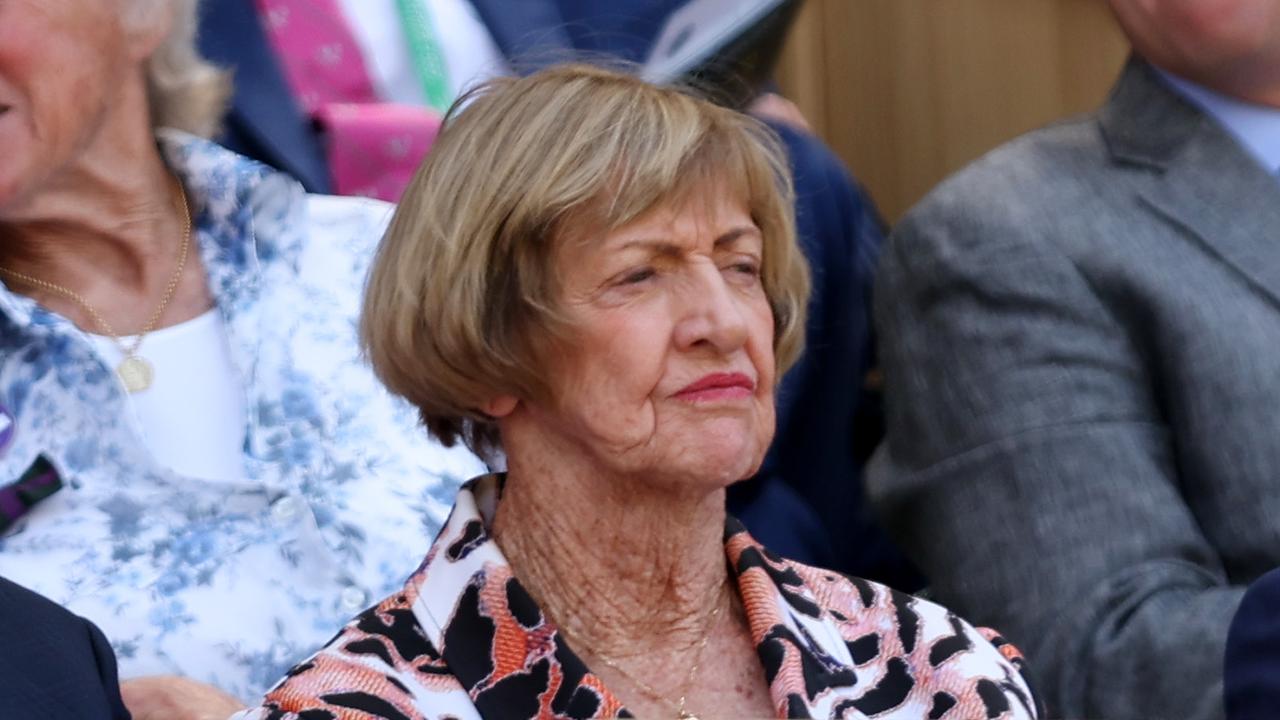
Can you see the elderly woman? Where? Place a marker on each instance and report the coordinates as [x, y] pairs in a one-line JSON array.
[[599, 278], [192, 454]]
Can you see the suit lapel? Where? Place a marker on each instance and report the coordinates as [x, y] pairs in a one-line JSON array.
[[1205, 183], [530, 33], [1229, 203]]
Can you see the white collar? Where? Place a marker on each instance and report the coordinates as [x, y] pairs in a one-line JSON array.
[[1257, 127]]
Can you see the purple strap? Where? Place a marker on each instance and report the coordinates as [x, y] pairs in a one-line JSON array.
[[17, 498]]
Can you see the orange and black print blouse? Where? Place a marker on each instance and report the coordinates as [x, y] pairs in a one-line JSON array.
[[464, 640]]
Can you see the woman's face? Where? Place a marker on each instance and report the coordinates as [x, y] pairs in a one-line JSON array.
[[62, 63], [670, 369]]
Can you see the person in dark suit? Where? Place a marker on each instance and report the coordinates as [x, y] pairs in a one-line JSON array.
[[56, 666], [1079, 338], [807, 501], [1251, 666]]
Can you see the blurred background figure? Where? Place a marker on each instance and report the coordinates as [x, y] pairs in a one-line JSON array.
[[1079, 336], [190, 445], [806, 501]]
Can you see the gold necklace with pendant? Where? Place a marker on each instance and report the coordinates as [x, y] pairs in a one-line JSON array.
[[646, 688], [134, 370]]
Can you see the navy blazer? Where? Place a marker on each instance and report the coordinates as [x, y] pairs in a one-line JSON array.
[[807, 501], [55, 665], [535, 33], [1251, 668]]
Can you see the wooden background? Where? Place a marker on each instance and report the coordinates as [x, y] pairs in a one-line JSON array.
[[908, 91]]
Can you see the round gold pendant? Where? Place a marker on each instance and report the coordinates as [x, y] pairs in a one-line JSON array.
[[135, 373]]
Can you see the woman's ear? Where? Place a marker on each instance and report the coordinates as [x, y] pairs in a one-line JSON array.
[[500, 406], [147, 24]]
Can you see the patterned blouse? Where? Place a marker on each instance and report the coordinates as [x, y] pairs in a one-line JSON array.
[[463, 639], [225, 582]]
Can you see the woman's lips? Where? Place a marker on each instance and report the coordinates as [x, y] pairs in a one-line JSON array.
[[718, 386]]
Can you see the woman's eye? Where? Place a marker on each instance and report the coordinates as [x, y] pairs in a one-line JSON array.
[[749, 268], [636, 277]]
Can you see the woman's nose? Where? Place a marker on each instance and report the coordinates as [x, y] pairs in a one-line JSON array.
[[711, 313]]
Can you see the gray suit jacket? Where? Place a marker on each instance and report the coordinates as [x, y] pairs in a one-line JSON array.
[[1081, 340]]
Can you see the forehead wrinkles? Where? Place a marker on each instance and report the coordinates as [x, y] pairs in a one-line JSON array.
[[640, 185], [678, 220]]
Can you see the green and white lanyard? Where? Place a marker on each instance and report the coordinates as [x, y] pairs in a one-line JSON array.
[[424, 48]]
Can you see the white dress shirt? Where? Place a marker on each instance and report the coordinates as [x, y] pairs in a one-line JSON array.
[[469, 51]]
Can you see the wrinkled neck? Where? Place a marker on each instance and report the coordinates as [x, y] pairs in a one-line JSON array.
[[621, 566]]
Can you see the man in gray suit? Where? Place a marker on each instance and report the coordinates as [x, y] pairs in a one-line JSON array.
[[1081, 340]]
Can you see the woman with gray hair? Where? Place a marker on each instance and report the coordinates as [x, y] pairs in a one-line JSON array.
[[192, 454]]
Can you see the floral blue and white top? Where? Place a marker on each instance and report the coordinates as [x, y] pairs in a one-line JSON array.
[[227, 582]]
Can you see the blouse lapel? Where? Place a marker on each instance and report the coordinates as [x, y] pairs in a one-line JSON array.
[[493, 636], [807, 663], [513, 663], [835, 646]]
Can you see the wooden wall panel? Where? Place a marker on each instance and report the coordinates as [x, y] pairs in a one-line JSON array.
[[908, 91]]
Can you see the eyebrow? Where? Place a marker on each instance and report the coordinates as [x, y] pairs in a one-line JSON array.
[[736, 233], [666, 246]]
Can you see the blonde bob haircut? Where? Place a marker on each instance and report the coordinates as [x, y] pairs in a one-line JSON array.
[[461, 305]]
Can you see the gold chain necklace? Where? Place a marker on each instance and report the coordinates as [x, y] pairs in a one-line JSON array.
[[134, 371], [652, 692]]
